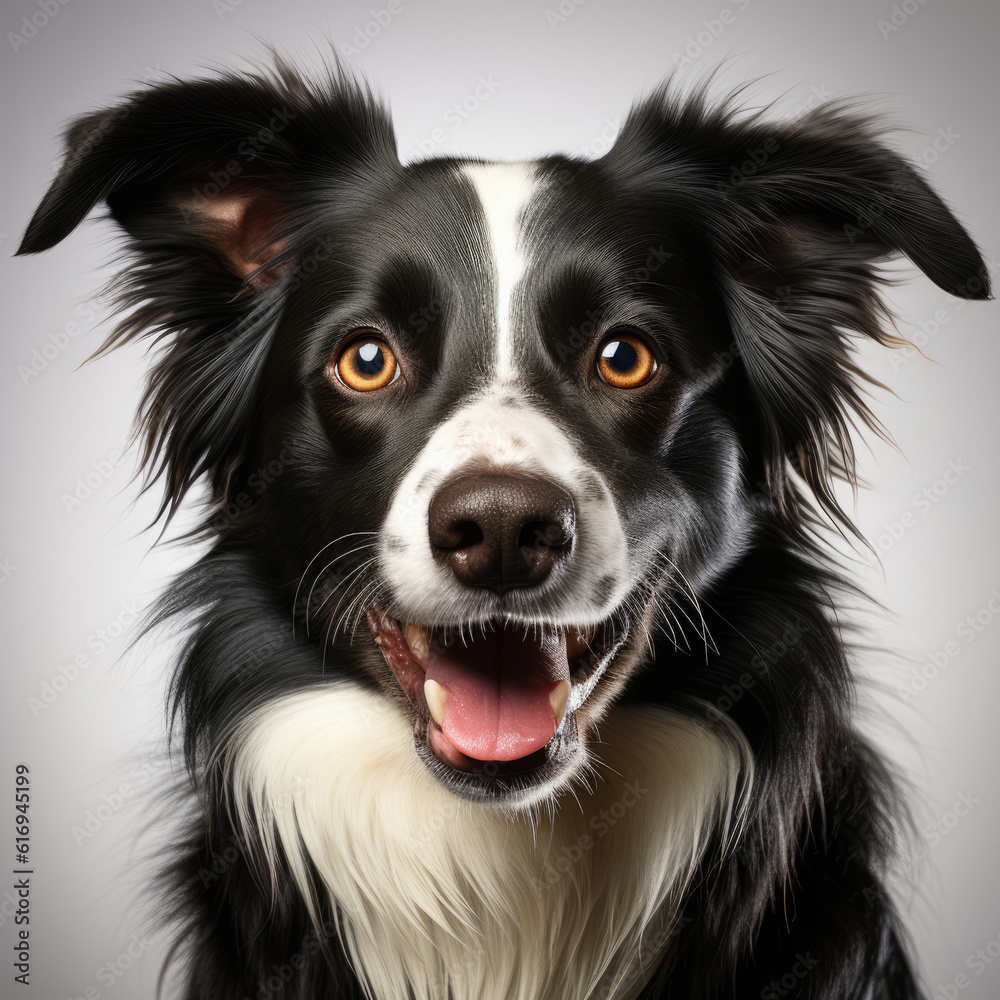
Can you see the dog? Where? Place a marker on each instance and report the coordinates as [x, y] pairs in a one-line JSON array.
[[512, 669]]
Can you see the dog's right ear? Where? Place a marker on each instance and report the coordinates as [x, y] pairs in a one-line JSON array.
[[211, 179]]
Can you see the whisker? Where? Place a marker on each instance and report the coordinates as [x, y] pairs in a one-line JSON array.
[[343, 583], [374, 589], [319, 576], [704, 632], [359, 602], [295, 600]]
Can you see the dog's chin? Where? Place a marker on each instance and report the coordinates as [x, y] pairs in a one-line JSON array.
[[501, 711]]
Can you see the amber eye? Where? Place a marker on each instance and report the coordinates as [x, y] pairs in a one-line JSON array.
[[624, 361], [367, 363]]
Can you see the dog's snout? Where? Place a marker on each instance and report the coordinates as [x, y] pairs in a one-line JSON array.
[[501, 532]]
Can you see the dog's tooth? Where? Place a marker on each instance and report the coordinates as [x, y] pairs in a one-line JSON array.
[[435, 696], [419, 642], [558, 699]]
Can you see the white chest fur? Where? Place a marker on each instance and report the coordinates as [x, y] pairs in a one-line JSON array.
[[456, 901]]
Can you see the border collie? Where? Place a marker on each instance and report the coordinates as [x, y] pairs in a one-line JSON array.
[[512, 669]]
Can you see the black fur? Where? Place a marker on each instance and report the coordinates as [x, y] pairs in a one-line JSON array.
[[769, 235]]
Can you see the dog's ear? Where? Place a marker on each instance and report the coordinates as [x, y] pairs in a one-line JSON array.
[[798, 216], [206, 165], [210, 179]]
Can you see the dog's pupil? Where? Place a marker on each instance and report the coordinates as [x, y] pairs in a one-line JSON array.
[[621, 355], [369, 360]]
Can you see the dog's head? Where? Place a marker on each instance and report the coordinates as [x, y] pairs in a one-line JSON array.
[[495, 418]]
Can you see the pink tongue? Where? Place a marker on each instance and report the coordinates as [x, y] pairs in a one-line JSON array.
[[498, 690]]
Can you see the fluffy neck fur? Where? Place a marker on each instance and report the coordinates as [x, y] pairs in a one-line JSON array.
[[443, 899]]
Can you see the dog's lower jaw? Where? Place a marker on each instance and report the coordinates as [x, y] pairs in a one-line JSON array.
[[444, 899]]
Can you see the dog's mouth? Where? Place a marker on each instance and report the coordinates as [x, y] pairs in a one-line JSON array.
[[499, 699]]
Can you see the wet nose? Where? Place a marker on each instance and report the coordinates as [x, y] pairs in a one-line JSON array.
[[501, 532]]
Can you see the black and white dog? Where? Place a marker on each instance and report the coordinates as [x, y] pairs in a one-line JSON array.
[[513, 669]]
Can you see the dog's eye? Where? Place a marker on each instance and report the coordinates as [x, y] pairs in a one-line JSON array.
[[624, 361], [367, 363]]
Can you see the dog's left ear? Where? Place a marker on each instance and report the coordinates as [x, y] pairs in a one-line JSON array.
[[798, 215], [211, 179]]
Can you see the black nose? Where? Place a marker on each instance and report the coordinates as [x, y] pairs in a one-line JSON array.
[[501, 531]]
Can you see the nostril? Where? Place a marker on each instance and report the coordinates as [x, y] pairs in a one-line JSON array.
[[542, 535], [457, 535]]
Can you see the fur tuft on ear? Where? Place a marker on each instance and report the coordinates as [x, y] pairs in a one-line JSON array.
[[210, 179], [798, 216]]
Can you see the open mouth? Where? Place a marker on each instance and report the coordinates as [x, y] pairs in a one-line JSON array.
[[496, 699]]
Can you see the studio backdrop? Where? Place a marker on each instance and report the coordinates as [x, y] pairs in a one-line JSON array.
[[83, 718]]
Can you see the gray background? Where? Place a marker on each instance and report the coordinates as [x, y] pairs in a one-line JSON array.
[[75, 572]]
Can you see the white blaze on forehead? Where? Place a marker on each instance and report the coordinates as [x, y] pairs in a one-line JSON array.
[[504, 189]]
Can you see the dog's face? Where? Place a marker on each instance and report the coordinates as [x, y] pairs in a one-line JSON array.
[[511, 455], [486, 426]]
